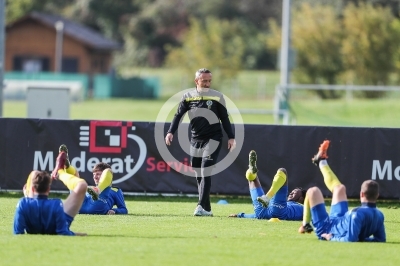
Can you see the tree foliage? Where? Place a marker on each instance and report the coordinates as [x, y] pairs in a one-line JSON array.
[[215, 44], [343, 41], [354, 46], [370, 42], [150, 26], [318, 42], [19, 8]]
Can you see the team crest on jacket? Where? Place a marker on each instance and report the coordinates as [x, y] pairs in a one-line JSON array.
[[209, 103]]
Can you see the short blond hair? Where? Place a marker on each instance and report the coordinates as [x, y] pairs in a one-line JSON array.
[[370, 189]]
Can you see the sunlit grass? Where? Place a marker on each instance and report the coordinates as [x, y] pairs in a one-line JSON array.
[[162, 231]]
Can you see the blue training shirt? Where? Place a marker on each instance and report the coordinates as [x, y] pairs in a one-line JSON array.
[[364, 223], [107, 199], [41, 215], [293, 211], [116, 198]]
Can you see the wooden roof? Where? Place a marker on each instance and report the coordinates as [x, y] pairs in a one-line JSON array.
[[73, 29]]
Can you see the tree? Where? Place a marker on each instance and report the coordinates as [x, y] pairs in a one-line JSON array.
[[371, 39], [356, 45], [213, 44], [316, 38], [19, 8], [161, 23]]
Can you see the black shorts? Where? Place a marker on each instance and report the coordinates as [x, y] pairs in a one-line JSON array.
[[204, 153]]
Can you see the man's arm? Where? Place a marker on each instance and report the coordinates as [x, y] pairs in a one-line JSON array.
[[119, 201], [243, 215], [379, 235], [182, 109], [224, 117], [19, 220], [226, 124]]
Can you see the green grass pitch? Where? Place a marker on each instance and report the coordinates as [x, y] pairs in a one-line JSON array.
[[162, 231]]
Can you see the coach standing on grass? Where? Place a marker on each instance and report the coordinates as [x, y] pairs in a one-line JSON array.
[[207, 110]]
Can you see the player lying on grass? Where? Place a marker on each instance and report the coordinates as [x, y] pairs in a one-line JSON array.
[[102, 198], [364, 223], [37, 214], [276, 203]]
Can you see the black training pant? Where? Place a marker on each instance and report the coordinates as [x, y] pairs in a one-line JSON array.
[[202, 157]]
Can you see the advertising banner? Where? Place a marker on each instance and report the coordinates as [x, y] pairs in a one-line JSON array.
[[136, 153]]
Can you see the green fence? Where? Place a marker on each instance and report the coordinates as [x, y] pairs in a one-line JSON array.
[[103, 86], [107, 87]]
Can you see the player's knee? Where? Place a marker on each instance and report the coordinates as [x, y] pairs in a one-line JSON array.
[[81, 187], [340, 189], [313, 191]]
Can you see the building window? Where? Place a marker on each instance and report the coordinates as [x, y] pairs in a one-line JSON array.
[[98, 65], [30, 64], [70, 65]]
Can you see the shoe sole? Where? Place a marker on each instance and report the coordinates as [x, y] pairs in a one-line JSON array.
[[253, 161], [305, 232], [199, 214], [63, 148], [92, 193], [322, 152], [265, 205]]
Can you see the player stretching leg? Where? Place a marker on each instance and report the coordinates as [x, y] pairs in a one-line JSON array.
[[364, 223]]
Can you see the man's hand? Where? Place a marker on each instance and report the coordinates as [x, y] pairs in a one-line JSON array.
[[111, 212], [233, 215], [327, 236], [231, 144], [168, 138]]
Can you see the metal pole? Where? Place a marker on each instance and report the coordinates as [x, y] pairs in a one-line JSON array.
[[59, 25], [284, 58], [2, 48]]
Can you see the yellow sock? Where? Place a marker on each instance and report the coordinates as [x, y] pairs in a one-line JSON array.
[[29, 180], [105, 180], [250, 176], [71, 170], [277, 183], [306, 211], [69, 180], [28, 186], [330, 178]]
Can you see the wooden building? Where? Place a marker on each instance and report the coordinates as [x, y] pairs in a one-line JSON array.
[[42, 42]]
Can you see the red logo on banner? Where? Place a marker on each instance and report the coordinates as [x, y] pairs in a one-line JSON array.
[[108, 136]]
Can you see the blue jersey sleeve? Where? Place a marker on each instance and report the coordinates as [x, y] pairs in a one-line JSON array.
[[379, 235], [19, 220], [62, 226], [119, 201], [246, 215], [373, 230]]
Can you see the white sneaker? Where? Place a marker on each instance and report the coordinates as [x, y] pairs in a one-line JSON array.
[[263, 200], [199, 211]]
